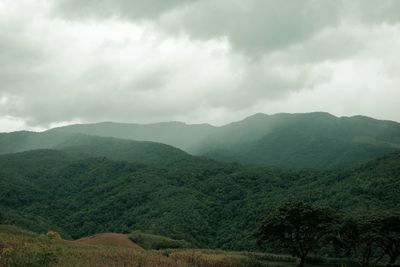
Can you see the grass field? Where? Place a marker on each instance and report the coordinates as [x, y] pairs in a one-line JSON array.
[[23, 248], [109, 239]]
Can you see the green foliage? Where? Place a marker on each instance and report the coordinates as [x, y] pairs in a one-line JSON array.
[[386, 229], [207, 203], [84, 146], [297, 228], [310, 140]]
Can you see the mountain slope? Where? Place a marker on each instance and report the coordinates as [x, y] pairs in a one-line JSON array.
[[176, 134], [216, 204], [313, 140], [309, 140], [83, 146]]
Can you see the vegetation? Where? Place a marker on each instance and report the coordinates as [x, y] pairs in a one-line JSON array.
[[23, 248], [300, 228], [156, 242], [83, 146], [206, 203], [311, 140], [297, 228], [84, 185]]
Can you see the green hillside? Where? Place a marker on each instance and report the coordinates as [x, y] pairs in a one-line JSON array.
[[177, 134], [209, 204], [83, 146], [309, 140]]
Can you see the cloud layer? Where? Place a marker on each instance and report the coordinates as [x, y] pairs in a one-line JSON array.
[[195, 60]]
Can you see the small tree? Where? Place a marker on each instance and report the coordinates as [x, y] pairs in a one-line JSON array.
[[297, 228]]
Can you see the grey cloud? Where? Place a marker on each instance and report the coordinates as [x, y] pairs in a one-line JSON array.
[[132, 9], [373, 11], [251, 25], [187, 58], [254, 26]]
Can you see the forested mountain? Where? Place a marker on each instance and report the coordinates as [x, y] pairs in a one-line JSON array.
[[209, 204], [312, 140], [176, 134], [315, 140], [88, 146]]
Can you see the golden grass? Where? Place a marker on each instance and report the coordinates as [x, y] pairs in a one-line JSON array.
[[216, 258], [24, 248], [109, 239]]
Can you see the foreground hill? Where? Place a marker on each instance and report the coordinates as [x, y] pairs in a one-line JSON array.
[[212, 204], [109, 239], [311, 140], [23, 248]]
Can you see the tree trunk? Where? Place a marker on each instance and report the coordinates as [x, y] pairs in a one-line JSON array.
[[392, 261], [302, 261]]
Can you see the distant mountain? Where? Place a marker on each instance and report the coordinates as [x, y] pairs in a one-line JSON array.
[[83, 146], [311, 140], [177, 134], [215, 205]]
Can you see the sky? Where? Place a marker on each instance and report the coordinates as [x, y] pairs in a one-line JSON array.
[[196, 61]]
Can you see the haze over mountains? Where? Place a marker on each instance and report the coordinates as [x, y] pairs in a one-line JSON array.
[[309, 140]]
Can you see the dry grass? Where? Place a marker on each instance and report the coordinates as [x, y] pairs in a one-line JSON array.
[[216, 258], [23, 248], [109, 239]]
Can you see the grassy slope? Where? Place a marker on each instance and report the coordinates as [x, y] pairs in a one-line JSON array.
[[109, 239], [24, 248], [149, 241]]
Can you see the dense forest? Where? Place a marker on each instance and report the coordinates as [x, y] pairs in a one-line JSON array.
[[207, 203]]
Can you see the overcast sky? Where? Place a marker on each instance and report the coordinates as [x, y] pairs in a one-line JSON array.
[[215, 61]]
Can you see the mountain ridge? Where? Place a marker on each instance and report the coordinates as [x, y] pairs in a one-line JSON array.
[[299, 140]]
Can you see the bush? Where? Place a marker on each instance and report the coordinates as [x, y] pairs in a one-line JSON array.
[[54, 235]]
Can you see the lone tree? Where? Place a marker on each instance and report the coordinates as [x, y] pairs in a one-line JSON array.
[[297, 228]]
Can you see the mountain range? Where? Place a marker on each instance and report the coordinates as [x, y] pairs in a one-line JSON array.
[[211, 186], [309, 140]]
